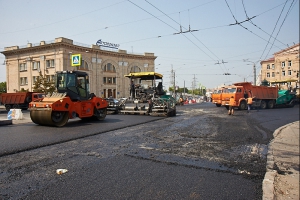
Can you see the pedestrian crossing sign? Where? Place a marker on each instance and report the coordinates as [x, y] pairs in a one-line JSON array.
[[76, 60]]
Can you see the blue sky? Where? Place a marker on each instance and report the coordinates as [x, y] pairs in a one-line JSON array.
[[149, 25]]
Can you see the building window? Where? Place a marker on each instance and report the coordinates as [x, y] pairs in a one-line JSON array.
[[268, 74], [289, 72], [84, 65], [36, 65], [273, 66], [23, 81], [23, 67], [283, 73], [109, 80], [289, 63], [268, 66], [283, 64], [135, 69], [273, 74], [50, 63], [34, 79], [109, 68]]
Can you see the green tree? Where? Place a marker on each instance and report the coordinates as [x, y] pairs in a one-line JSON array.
[[182, 90], [43, 85], [3, 87]]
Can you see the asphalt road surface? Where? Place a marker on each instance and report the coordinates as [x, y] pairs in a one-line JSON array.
[[202, 153]]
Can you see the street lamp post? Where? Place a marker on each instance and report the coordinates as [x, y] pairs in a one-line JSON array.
[[254, 69]]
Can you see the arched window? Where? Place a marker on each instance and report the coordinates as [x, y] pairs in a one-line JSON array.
[[84, 65], [109, 68], [135, 69]]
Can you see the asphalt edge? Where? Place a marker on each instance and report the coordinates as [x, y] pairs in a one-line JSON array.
[[268, 182]]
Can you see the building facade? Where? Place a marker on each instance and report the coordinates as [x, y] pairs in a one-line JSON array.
[[106, 68], [284, 66]]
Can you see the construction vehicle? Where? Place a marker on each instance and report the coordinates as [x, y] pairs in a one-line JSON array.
[[216, 97], [290, 92], [71, 100], [19, 100], [263, 96], [148, 96]]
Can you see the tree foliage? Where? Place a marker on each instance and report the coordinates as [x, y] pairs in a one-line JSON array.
[[3, 87], [43, 85]]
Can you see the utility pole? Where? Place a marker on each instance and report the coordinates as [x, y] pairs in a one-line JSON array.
[[173, 80], [174, 85], [194, 84], [184, 87], [254, 73], [254, 69]]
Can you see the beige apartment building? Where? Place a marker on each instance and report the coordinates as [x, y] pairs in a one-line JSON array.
[[106, 67], [284, 66]]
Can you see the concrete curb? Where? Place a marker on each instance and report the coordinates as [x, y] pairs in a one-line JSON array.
[[268, 182]]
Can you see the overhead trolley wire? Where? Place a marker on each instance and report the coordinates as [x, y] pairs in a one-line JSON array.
[[273, 29], [255, 24], [184, 35], [66, 19], [238, 23], [281, 26]]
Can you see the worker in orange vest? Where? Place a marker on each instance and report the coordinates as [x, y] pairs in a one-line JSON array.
[[249, 101], [231, 106]]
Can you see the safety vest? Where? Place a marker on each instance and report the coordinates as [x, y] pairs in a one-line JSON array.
[[249, 101], [231, 102]]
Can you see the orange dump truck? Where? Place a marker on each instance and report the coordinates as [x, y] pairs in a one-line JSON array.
[[264, 96], [216, 97], [19, 99]]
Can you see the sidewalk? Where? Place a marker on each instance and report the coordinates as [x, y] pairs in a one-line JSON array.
[[282, 177]]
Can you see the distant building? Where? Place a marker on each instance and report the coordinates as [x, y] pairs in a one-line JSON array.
[[106, 68], [284, 66]]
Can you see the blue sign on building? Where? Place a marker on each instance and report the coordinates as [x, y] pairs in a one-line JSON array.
[[76, 60]]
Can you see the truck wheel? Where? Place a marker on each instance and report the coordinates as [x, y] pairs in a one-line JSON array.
[[28, 99], [243, 105], [218, 105], [270, 104], [263, 105], [7, 107], [16, 106]]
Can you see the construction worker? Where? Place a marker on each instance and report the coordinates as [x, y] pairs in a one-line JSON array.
[[231, 106], [249, 101]]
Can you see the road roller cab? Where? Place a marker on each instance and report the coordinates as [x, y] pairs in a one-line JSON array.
[[74, 83], [72, 100]]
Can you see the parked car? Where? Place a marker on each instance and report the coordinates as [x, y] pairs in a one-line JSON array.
[[114, 105]]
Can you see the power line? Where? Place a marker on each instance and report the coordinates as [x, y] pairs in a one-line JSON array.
[[255, 24], [280, 27], [273, 29], [187, 31], [64, 19], [237, 23]]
